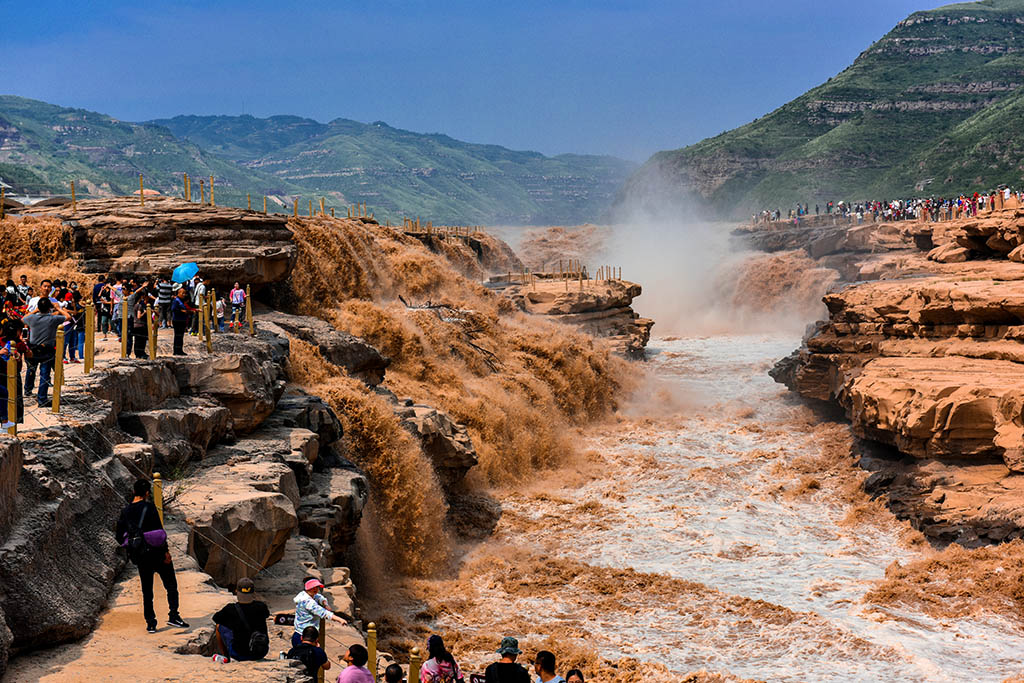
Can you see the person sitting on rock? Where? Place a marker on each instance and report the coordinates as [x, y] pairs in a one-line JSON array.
[[242, 625], [310, 653], [441, 666], [310, 607], [135, 531], [356, 671], [506, 670]]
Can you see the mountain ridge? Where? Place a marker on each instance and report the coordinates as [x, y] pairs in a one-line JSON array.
[[886, 126]]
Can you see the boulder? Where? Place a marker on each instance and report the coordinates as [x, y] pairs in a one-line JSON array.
[[444, 441], [949, 253], [334, 510], [240, 516], [358, 358], [180, 430]]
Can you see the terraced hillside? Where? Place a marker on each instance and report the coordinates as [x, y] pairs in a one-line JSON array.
[[43, 147], [401, 172], [933, 107]]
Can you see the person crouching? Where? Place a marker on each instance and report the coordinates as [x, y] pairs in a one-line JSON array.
[[242, 625]]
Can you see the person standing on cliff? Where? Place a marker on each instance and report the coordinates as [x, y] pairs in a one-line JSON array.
[[42, 327], [310, 607], [164, 294], [180, 311], [140, 531], [237, 304], [198, 294]]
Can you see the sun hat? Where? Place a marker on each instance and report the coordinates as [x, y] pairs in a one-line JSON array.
[[313, 583], [509, 646], [244, 590]]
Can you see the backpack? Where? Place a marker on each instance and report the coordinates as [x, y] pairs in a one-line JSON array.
[[259, 644], [135, 541]]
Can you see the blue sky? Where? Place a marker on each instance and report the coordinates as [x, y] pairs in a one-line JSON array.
[[623, 78]]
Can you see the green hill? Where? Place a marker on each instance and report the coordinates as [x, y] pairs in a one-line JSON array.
[[933, 107], [398, 172], [44, 147]]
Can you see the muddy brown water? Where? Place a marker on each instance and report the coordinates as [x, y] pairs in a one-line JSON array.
[[671, 544]]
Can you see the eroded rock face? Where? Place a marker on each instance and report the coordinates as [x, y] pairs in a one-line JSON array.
[[118, 235], [240, 516], [444, 441], [358, 358], [601, 308], [334, 509], [179, 430]]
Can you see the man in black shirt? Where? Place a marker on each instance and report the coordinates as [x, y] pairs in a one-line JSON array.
[[141, 516], [238, 621], [310, 653], [506, 670]]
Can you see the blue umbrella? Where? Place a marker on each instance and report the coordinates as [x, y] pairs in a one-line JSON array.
[[185, 272]]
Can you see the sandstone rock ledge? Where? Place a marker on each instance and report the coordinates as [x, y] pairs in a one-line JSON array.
[[934, 368], [602, 308]]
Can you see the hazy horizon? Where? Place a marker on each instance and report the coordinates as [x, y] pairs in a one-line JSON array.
[[576, 77]]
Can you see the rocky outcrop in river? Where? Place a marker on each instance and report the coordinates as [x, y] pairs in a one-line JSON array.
[[932, 366]]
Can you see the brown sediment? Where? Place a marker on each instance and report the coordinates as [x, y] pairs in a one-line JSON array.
[[957, 582], [518, 384], [37, 247], [545, 247], [787, 283]]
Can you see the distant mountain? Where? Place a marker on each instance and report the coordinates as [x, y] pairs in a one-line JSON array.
[[936, 106], [44, 147], [398, 172]]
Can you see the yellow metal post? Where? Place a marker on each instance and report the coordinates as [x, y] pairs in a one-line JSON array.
[[158, 495], [310, 208], [90, 338], [184, 186], [142, 193], [264, 205], [248, 200], [248, 313], [414, 664], [295, 207], [12, 394], [58, 370], [322, 639], [151, 330], [206, 319], [2, 202], [73, 202], [322, 212], [124, 325], [371, 648], [212, 202], [202, 192]]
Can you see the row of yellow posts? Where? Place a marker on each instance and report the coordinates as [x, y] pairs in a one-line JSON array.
[[371, 650]]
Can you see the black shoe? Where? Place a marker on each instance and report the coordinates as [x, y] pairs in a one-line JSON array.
[[151, 628], [177, 621], [180, 353]]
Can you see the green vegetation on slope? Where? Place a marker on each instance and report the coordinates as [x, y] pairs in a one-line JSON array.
[[398, 172], [44, 147], [929, 108]]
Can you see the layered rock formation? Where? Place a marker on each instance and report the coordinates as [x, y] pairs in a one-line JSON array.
[[119, 235], [601, 308], [933, 367], [63, 487]]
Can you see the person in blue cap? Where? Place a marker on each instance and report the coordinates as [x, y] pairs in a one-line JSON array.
[[506, 670]]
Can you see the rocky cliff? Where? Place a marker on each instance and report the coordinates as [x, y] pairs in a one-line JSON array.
[[905, 117], [929, 362]]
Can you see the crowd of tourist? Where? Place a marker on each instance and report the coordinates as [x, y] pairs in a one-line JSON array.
[[32, 314], [241, 631], [931, 208]]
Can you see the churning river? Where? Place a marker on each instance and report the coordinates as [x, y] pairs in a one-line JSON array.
[[713, 526]]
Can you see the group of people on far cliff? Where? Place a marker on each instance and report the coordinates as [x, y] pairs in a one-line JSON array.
[[930, 208], [241, 631], [32, 314]]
